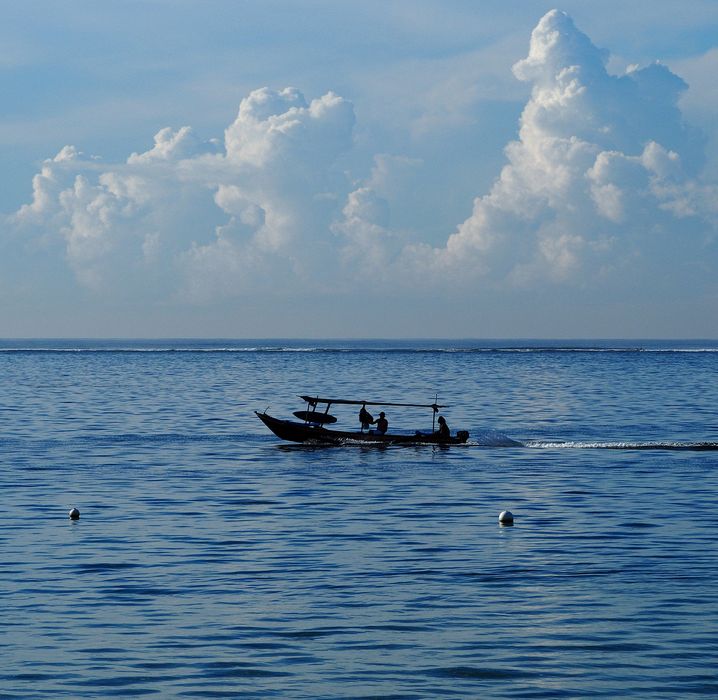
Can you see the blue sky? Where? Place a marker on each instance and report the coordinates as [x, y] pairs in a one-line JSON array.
[[346, 169]]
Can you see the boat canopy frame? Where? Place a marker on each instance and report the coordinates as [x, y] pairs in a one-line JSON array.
[[313, 401]]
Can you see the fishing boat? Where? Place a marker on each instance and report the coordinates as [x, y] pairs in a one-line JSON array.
[[311, 425]]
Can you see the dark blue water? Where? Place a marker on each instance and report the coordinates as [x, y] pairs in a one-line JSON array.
[[210, 560]]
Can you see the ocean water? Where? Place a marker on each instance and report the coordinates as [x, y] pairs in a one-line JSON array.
[[212, 560]]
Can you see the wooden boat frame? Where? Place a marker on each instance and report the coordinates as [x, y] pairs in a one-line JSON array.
[[312, 429]]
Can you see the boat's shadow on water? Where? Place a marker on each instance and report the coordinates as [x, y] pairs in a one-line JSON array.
[[363, 446], [529, 445]]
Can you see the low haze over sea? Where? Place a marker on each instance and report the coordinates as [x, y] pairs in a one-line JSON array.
[[213, 560]]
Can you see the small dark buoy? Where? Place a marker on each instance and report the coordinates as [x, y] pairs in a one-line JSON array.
[[74, 514], [506, 517]]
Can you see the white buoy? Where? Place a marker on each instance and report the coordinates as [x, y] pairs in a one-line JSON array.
[[506, 517], [74, 514]]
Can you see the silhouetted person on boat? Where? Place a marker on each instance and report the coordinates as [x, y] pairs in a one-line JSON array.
[[382, 424], [443, 432], [365, 418]]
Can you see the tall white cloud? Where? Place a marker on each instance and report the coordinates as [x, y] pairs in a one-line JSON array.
[[603, 164], [218, 217], [279, 189]]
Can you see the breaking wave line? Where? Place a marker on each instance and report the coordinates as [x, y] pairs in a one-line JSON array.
[[389, 350]]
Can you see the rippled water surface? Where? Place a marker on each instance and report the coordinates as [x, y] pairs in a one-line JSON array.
[[212, 560]]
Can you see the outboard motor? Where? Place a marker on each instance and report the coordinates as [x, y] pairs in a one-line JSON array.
[[463, 435]]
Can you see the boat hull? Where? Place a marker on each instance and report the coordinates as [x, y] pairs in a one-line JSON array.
[[316, 434]]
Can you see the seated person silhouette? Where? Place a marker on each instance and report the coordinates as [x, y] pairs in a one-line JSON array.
[[382, 424]]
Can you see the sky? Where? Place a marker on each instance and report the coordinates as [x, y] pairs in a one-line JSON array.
[[342, 169]]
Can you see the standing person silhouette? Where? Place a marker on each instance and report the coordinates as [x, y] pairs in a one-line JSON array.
[[365, 418], [443, 432]]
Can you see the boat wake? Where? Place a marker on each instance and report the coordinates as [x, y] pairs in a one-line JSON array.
[[485, 437], [498, 440], [599, 445]]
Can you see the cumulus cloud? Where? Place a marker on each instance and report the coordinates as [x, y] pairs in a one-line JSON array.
[[173, 145], [112, 220], [217, 216], [279, 190], [602, 163]]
